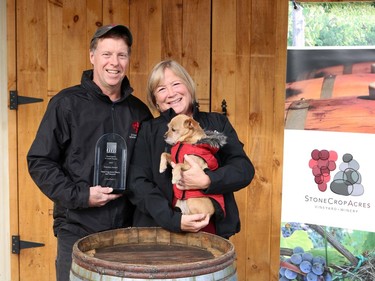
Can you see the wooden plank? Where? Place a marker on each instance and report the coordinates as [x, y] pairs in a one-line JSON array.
[[55, 41], [94, 19], [32, 64], [196, 47], [172, 29], [263, 24], [281, 31], [223, 56], [155, 18], [230, 82], [116, 12], [266, 135], [261, 188], [12, 134], [75, 48], [242, 110], [139, 67]]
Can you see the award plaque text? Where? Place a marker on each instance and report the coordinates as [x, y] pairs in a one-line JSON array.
[[110, 162]]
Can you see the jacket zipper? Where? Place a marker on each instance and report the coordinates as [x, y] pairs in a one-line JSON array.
[[113, 117]]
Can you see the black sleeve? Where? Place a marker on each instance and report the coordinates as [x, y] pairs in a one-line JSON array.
[[44, 158], [235, 168], [148, 197]]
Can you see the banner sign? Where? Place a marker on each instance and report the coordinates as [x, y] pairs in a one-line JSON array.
[[329, 179]]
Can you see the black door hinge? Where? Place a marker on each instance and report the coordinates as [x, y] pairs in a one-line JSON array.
[[18, 244], [15, 100]]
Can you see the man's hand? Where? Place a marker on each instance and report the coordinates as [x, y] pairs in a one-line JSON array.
[[99, 196], [194, 223]]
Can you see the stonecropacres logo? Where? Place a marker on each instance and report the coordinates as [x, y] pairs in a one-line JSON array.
[[347, 181]]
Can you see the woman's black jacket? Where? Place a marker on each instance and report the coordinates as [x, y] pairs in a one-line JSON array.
[[151, 191]]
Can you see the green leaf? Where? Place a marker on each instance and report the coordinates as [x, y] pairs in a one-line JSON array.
[[298, 238]]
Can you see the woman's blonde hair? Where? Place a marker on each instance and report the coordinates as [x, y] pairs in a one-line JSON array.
[[157, 75]]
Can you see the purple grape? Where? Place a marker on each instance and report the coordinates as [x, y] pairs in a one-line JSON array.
[[290, 274], [298, 250], [307, 257], [305, 266], [282, 271], [296, 259], [283, 279], [317, 268], [319, 259], [311, 277]]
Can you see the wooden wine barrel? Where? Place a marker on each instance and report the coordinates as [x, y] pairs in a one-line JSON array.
[[344, 114], [152, 254], [348, 68], [330, 87]]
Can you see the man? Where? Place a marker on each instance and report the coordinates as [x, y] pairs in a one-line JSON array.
[[61, 158]]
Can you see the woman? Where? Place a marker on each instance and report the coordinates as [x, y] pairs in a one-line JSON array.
[[171, 91]]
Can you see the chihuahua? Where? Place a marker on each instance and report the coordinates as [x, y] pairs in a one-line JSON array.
[[186, 136]]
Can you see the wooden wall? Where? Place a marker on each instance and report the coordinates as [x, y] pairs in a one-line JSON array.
[[235, 51]]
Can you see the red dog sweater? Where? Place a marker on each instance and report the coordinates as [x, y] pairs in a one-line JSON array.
[[204, 151]]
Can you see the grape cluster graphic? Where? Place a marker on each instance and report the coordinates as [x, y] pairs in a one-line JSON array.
[[347, 181], [304, 266], [322, 163]]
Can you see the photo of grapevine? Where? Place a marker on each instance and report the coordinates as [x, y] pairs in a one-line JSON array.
[[304, 266], [315, 253]]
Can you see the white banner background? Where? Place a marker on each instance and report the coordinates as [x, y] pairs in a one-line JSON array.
[[304, 202]]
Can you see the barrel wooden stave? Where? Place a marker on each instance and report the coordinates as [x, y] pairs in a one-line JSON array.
[[345, 114], [348, 68], [330, 87], [86, 265]]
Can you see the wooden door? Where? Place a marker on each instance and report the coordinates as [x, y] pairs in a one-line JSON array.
[[29, 207]]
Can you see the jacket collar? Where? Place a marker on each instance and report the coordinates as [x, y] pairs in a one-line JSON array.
[[170, 113], [88, 83]]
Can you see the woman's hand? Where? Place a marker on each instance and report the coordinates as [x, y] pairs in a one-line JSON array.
[[99, 196], [194, 223], [193, 178]]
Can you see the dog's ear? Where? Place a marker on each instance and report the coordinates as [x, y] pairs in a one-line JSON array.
[[190, 123]]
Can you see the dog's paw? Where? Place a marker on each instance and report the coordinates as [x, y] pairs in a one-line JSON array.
[[163, 162], [162, 168]]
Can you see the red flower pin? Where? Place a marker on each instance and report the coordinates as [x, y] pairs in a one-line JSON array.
[[135, 126]]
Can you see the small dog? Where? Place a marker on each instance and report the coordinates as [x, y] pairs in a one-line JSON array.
[[187, 137]]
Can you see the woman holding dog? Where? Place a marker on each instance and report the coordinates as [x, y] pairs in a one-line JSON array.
[[171, 91]]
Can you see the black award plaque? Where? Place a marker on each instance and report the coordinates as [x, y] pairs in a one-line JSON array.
[[110, 162]]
